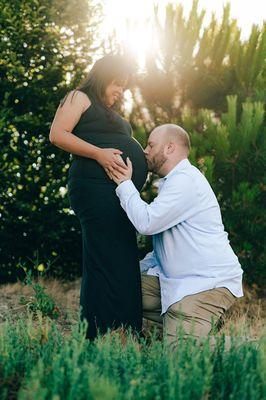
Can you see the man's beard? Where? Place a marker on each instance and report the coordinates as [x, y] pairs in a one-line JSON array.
[[156, 162]]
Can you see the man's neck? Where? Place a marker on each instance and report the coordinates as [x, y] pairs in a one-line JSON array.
[[171, 164]]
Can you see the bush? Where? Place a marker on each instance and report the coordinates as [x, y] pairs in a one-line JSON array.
[[45, 48], [230, 151], [40, 301], [37, 362], [41, 46]]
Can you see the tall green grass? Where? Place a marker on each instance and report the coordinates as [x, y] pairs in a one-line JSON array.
[[38, 362]]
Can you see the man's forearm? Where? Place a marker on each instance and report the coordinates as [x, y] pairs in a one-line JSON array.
[[175, 203], [134, 206]]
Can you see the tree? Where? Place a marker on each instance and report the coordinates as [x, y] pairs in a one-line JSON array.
[[45, 47], [230, 151], [199, 66]]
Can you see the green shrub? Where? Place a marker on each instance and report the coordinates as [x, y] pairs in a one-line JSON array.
[[40, 301], [41, 46], [231, 152], [37, 362]]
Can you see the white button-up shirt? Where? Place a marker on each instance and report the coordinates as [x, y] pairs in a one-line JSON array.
[[191, 252]]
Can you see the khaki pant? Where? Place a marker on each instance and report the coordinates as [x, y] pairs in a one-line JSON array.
[[194, 315]]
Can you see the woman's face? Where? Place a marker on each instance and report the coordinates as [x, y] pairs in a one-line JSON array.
[[114, 91]]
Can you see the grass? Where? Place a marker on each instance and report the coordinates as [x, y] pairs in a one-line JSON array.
[[42, 358]]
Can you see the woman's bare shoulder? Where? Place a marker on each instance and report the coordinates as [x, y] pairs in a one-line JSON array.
[[76, 97]]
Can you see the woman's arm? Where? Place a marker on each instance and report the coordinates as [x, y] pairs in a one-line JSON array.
[[66, 118]]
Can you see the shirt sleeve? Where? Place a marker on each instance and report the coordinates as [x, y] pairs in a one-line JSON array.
[[174, 204], [149, 261]]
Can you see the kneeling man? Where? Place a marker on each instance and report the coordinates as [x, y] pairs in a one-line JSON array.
[[192, 276]]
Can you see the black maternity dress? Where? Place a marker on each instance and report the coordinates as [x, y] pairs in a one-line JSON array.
[[110, 294]]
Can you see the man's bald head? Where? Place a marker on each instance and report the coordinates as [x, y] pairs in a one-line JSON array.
[[172, 133], [167, 145]]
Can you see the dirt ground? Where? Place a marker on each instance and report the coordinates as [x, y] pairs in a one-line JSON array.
[[248, 315]]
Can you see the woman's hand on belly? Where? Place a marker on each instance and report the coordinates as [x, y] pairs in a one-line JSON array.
[[111, 160]]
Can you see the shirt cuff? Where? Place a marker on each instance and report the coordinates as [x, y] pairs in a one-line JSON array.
[[125, 189], [148, 262]]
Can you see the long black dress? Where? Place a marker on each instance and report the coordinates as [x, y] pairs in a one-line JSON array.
[[110, 294]]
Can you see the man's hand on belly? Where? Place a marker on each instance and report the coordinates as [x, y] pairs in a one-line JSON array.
[[122, 175]]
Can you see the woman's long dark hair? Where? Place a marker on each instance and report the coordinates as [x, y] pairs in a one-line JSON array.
[[104, 71], [110, 68]]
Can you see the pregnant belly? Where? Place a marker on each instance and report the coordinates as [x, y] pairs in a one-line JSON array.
[[87, 168]]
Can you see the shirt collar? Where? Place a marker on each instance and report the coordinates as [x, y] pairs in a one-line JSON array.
[[183, 164]]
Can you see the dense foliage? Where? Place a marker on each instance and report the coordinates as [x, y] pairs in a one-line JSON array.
[[45, 49], [38, 362], [199, 66], [231, 151]]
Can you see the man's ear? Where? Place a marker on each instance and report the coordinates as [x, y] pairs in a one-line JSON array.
[[170, 147]]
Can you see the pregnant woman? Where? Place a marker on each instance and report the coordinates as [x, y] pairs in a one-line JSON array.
[[87, 126]]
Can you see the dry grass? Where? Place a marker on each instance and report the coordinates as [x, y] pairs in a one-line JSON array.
[[66, 296], [247, 316]]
